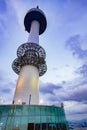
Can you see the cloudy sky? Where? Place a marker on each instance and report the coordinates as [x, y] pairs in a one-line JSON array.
[[65, 43]]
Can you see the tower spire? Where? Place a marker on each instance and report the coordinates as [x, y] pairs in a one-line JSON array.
[[37, 7]]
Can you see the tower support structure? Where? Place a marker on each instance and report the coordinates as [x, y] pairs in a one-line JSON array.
[[26, 113], [30, 62]]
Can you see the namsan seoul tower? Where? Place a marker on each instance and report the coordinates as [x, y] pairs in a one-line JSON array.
[[30, 61], [25, 113]]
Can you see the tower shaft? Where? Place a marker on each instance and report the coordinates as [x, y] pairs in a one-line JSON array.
[[27, 88], [30, 61], [34, 32], [28, 81]]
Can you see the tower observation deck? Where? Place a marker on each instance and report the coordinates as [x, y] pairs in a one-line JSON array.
[[30, 62]]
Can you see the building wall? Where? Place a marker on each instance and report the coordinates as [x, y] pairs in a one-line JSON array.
[[33, 117]]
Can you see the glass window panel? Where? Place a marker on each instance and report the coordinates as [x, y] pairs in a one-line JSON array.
[[17, 121], [43, 110], [37, 110], [24, 122], [31, 119], [1, 109], [25, 110], [57, 119], [43, 119], [52, 111], [11, 112], [3, 122], [56, 111], [9, 122], [23, 127], [4, 110], [18, 110], [37, 119], [53, 119], [48, 112], [59, 115], [31, 110], [24, 119], [49, 119]]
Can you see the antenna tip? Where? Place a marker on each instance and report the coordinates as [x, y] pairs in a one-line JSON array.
[[37, 7]]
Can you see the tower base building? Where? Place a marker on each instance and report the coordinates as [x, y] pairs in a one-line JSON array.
[[33, 117], [25, 113]]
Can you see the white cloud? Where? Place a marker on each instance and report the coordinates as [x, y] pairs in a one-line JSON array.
[[83, 42], [75, 110], [20, 10]]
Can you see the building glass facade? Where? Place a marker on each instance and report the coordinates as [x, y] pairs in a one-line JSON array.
[[32, 117]]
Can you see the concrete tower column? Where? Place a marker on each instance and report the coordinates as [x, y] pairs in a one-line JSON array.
[[30, 61], [34, 32], [27, 89]]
